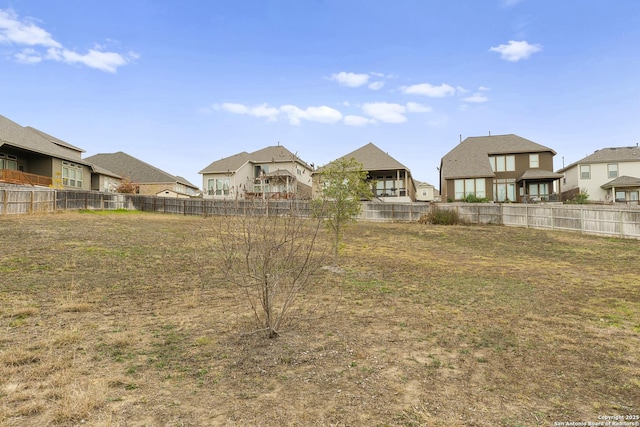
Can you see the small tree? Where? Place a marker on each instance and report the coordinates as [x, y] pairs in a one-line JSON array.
[[271, 259], [127, 187], [344, 184]]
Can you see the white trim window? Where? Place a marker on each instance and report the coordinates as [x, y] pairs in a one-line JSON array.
[[534, 161], [612, 170], [218, 186], [71, 175], [585, 171]]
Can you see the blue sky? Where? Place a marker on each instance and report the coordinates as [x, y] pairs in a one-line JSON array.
[[179, 84]]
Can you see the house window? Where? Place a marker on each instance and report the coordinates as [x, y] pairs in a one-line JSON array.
[[585, 171], [534, 161], [503, 163], [71, 175], [470, 186], [504, 190], [8, 161], [388, 186], [539, 189], [218, 187], [612, 170]]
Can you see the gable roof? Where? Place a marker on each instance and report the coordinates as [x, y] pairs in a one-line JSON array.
[[30, 139], [622, 181], [134, 169], [270, 154], [55, 140], [373, 158], [607, 155], [470, 158]]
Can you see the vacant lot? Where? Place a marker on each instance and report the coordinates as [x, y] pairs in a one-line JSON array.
[[120, 319]]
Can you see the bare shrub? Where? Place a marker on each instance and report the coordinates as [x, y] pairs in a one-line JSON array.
[[441, 217], [271, 259]]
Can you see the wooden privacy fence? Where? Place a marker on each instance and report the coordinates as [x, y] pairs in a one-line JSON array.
[[21, 201], [607, 220]]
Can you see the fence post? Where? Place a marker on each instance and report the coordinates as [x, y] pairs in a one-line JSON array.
[[621, 223], [5, 201], [31, 207]]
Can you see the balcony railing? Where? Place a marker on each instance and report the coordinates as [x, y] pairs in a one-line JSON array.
[[19, 177]]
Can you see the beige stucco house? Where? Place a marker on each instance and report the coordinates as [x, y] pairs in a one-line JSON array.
[[607, 175], [270, 173]]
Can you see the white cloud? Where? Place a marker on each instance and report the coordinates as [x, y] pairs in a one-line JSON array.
[[376, 85], [516, 50], [28, 56], [385, 112], [430, 90], [476, 98], [233, 108], [270, 113], [322, 114], [358, 121], [13, 31], [350, 79], [105, 61], [414, 107], [393, 113], [375, 112]]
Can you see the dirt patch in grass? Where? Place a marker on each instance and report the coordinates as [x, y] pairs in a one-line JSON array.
[[120, 320]]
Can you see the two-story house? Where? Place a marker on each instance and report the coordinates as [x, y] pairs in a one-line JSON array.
[[270, 173], [499, 168], [607, 175], [29, 156], [391, 180]]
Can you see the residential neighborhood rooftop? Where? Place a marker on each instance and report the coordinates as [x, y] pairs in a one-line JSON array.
[[37, 141], [373, 158], [270, 154], [134, 169], [611, 154], [471, 156]]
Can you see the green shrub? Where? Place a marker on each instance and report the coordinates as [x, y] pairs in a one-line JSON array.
[[581, 198], [472, 198]]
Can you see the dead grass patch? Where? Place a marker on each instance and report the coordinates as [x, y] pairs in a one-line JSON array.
[[126, 323]]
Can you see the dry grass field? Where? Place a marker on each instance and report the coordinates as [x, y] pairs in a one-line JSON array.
[[120, 319]]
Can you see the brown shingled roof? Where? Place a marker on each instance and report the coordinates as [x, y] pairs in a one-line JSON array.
[[470, 158], [373, 158]]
